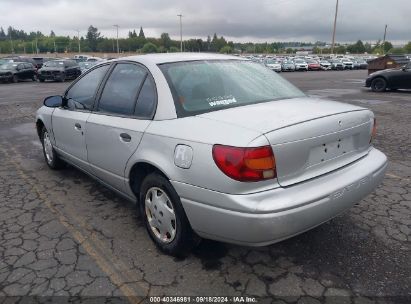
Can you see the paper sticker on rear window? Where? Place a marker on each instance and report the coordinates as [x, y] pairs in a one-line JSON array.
[[221, 100]]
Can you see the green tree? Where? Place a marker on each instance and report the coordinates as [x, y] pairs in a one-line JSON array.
[[174, 49], [93, 37], [141, 34], [165, 40], [397, 51], [226, 50], [407, 48], [149, 48]]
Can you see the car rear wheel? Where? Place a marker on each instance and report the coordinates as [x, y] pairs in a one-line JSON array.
[[378, 85], [41, 79], [15, 79], [164, 216], [50, 155]]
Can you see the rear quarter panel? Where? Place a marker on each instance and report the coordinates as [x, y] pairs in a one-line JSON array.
[[159, 142]]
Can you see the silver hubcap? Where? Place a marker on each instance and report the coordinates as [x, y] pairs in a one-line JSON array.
[[48, 148], [160, 214]]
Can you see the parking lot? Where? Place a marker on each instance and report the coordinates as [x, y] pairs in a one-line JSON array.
[[63, 234]]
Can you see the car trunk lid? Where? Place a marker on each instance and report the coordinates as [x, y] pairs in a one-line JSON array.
[[309, 137]]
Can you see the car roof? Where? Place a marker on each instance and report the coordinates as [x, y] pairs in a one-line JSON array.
[[177, 57]]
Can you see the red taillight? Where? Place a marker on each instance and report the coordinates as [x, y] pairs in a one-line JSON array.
[[245, 164], [374, 130]]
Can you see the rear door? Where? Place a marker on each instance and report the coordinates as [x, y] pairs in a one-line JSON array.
[[116, 126], [69, 123]]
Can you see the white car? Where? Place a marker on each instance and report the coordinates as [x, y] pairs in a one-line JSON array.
[[273, 65], [300, 65]]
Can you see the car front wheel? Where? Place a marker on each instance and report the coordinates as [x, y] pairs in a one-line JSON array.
[[50, 155], [378, 85], [164, 216]]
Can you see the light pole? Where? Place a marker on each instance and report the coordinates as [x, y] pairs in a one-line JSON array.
[[181, 32], [335, 26], [116, 26], [383, 42], [78, 37]]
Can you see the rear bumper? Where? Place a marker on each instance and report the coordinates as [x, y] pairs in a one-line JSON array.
[[267, 217]]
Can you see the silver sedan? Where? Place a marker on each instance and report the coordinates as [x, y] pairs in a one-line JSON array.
[[212, 146]]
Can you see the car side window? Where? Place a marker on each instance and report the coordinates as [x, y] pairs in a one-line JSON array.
[[146, 101], [81, 94], [121, 89]]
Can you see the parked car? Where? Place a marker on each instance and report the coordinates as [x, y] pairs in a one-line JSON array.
[[313, 65], [336, 64], [288, 66], [20, 59], [41, 60], [300, 65], [347, 63], [273, 65], [85, 65], [191, 138], [399, 78], [325, 65], [16, 71], [59, 70]]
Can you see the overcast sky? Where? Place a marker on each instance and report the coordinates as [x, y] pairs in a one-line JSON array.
[[237, 20]]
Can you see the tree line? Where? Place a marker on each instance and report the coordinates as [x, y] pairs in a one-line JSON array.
[[19, 41]]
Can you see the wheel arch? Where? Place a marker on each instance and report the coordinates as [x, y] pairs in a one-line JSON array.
[[39, 126], [139, 171]]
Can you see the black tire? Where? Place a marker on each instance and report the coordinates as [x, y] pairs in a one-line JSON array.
[[55, 162], [15, 79], [378, 84], [184, 239]]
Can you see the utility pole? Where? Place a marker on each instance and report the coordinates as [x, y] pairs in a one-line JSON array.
[[181, 32], [37, 49], [383, 42], [335, 26], [55, 49], [78, 37], [116, 26]]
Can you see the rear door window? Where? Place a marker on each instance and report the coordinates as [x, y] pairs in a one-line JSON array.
[[119, 95]]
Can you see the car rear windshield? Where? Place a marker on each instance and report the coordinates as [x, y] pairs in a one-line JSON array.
[[204, 86], [54, 64]]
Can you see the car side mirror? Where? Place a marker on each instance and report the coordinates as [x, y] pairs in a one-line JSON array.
[[53, 101]]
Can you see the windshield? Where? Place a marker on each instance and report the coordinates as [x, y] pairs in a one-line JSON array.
[[205, 86], [8, 66], [54, 64]]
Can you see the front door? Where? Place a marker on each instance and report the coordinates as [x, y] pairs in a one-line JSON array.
[[69, 123]]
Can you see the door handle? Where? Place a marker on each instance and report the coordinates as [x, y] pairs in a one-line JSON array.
[[77, 126], [125, 137]]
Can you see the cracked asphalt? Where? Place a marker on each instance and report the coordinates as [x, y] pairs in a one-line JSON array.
[[65, 238]]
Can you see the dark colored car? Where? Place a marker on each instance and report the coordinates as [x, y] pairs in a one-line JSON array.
[[59, 70], [41, 60], [393, 79], [20, 59], [16, 71]]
